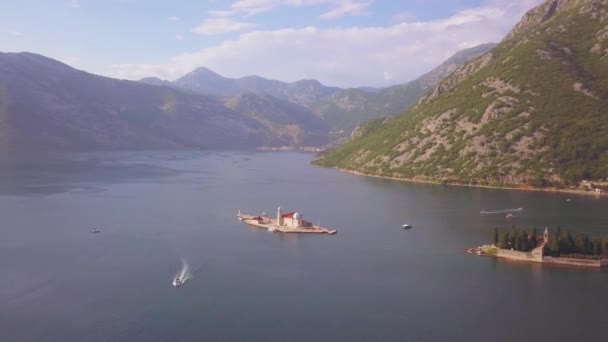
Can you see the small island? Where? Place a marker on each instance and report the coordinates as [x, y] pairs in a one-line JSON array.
[[284, 223], [561, 247]]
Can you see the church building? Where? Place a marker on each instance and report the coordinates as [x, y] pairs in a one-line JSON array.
[[293, 220]]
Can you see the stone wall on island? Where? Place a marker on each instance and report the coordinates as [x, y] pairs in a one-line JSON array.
[[576, 262], [535, 255]]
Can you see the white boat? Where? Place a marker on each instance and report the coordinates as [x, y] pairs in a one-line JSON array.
[[95, 231], [406, 226], [272, 229], [177, 282]]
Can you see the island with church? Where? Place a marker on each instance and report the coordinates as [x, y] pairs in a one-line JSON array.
[[558, 248], [291, 222]]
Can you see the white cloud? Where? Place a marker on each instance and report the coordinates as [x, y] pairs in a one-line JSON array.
[[220, 13], [173, 18], [253, 7], [403, 17], [16, 33], [346, 7], [387, 76], [179, 37], [215, 26], [352, 56], [247, 8], [74, 4]]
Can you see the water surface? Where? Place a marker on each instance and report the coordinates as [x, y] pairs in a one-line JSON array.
[[372, 281]]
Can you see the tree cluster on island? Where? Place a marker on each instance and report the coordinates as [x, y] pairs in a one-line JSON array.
[[561, 243]]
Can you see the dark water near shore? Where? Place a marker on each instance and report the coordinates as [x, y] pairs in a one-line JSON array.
[[372, 281]]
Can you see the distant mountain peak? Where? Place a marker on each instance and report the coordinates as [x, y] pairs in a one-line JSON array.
[[155, 81], [550, 8], [205, 72], [36, 59], [311, 82]]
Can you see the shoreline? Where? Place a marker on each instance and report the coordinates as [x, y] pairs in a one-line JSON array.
[[410, 180], [536, 257]]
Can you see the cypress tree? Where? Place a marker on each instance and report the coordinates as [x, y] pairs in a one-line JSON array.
[[554, 245], [503, 240], [605, 245], [496, 236], [597, 248], [533, 238]]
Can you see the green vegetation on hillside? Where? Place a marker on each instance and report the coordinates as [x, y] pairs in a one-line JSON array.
[[532, 111]]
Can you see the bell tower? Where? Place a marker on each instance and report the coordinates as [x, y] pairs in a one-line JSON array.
[[546, 235], [279, 217]]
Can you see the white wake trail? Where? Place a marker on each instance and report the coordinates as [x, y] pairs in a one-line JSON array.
[[503, 211], [184, 273]]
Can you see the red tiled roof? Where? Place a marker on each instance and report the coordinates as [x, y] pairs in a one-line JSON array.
[[288, 215]]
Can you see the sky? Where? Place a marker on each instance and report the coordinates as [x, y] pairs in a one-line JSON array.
[[345, 43]]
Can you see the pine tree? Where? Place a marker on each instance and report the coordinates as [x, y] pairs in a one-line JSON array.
[[496, 236]]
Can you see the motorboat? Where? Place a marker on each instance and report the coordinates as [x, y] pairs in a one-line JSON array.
[[406, 226], [95, 231], [272, 229], [177, 282]]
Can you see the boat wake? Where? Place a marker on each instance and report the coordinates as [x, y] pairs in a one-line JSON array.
[[183, 275], [503, 211]]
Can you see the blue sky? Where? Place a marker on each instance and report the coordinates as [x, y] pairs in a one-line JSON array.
[[339, 42]]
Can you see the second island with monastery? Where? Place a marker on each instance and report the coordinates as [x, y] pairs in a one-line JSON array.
[[559, 248], [291, 222]]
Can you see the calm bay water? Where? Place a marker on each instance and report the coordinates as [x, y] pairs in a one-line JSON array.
[[372, 281]]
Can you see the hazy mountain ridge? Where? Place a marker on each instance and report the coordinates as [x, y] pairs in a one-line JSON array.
[[342, 109], [287, 123], [533, 110], [47, 105], [348, 108]]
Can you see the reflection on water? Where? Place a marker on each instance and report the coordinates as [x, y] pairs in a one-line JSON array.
[[49, 174]]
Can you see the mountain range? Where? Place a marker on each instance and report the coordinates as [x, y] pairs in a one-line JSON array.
[[341, 109], [533, 111], [47, 105]]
